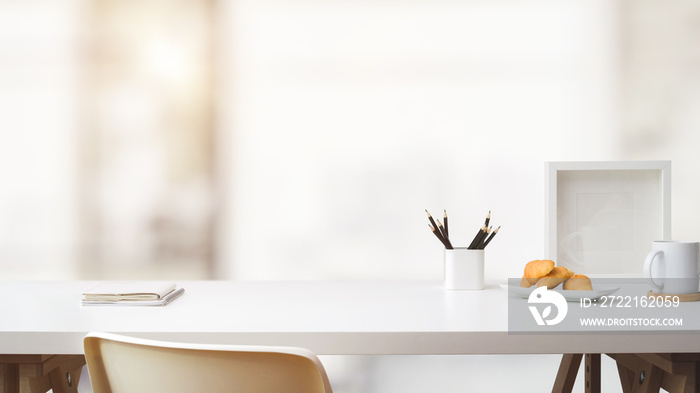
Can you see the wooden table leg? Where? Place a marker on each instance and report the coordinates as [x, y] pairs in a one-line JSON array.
[[10, 380], [40, 373], [592, 373], [679, 371], [33, 378], [651, 383], [65, 377], [626, 378], [566, 376], [641, 375]]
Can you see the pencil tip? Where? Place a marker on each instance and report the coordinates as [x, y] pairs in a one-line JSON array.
[[426, 210]]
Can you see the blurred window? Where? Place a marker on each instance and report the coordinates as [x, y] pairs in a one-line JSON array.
[[147, 139]]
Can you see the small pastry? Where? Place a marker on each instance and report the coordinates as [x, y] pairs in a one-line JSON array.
[[578, 282], [525, 283], [557, 276], [536, 269]]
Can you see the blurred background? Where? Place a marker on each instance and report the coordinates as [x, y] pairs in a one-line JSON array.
[[303, 139]]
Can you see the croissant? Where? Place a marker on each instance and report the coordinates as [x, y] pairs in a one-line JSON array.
[[578, 282], [557, 276], [536, 269]]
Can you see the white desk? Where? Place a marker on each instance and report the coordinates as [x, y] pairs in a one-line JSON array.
[[326, 317], [40, 318]]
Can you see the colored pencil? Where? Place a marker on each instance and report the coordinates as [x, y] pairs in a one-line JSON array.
[[432, 222], [447, 242], [482, 238], [480, 245], [477, 238], [447, 233], [437, 234], [486, 243]]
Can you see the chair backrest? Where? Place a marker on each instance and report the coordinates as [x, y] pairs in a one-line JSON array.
[[120, 364]]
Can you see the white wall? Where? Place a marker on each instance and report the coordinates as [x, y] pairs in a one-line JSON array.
[[348, 119], [38, 152]]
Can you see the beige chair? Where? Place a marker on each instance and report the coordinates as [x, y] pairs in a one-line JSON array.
[[119, 364]]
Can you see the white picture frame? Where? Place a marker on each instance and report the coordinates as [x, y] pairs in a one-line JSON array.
[[601, 216]]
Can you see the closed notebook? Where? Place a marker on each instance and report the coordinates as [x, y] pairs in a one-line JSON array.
[[129, 291]]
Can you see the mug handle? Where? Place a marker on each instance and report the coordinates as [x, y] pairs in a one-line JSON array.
[[647, 270]]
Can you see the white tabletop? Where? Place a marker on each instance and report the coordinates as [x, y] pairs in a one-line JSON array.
[[368, 317]]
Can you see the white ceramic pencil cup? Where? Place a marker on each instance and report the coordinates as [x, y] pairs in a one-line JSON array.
[[464, 268]]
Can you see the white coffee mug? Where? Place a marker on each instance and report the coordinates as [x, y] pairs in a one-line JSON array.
[[672, 267]]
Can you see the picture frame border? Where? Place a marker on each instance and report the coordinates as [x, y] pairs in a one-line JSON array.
[[553, 168]]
